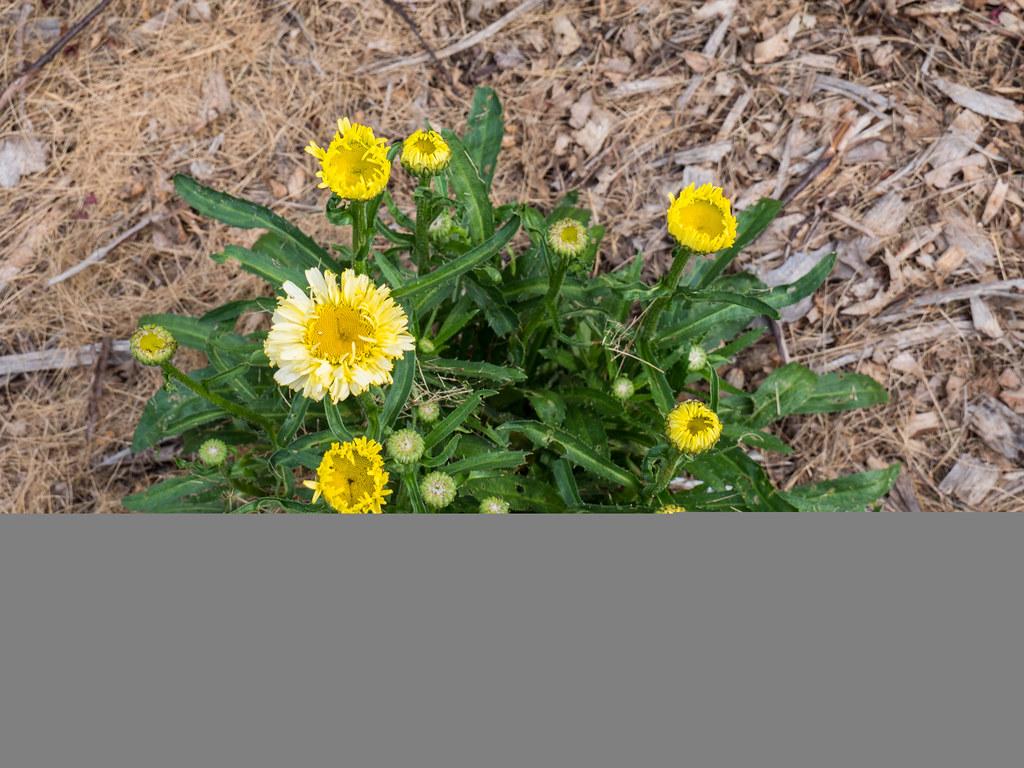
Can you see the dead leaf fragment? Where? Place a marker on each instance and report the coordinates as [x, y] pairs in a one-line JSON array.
[[216, 97], [20, 156], [970, 480], [567, 40], [592, 135], [995, 201], [996, 107], [983, 318], [1000, 428], [922, 422], [775, 47]]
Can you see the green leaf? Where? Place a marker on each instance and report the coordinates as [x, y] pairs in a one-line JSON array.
[[574, 450], [497, 313], [295, 418], [471, 190], [307, 451], [246, 215], [561, 471], [843, 392], [262, 265], [522, 493], [762, 441], [485, 461], [454, 420], [286, 251], [228, 314], [725, 297], [169, 495], [782, 393], [484, 133], [398, 393], [457, 318], [845, 494], [473, 370], [274, 504], [549, 406], [335, 421], [749, 226], [704, 319], [471, 259]]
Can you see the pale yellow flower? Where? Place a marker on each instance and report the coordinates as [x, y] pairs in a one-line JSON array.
[[425, 153], [568, 237], [338, 340]]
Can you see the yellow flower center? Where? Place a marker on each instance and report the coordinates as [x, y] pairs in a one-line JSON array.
[[152, 343], [353, 164], [425, 143], [697, 425], [338, 331], [346, 481], [570, 235], [704, 217]]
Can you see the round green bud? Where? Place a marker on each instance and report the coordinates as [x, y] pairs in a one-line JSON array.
[[152, 345], [441, 228], [213, 452], [623, 388], [492, 505], [428, 412], [405, 446], [697, 357], [438, 490], [426, 346]]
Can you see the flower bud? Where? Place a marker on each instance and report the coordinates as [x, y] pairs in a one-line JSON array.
[[425, 153], [405, 446], [568, 237], [623, 388], [213, 452], [426, 346], [697, 357], [428, 412], [438, 490], [492, 505], [152, 345]]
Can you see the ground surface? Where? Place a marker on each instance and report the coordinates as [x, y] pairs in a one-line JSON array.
[[917, 182]]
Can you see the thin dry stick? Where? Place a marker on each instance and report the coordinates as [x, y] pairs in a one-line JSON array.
[[101, 253], [404, 16], [27, 74], [59, 359], [467, 42]]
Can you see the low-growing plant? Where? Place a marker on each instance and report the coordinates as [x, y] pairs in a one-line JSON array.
[[441, 363]]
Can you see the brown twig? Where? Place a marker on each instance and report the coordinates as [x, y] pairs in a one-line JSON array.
[[96, 391], [26, 75], [409, 22]]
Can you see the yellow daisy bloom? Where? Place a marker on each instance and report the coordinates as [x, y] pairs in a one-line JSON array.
[[568, 237], [425, 153], [340, 339], [355, 166], [670, 509], [701, 218], [693, 427], [351, 478]]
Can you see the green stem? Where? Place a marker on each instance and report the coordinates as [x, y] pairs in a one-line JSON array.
[[241, 412], [360, 235], [669, 282], [413, 488], [665, 475], [421, 248]]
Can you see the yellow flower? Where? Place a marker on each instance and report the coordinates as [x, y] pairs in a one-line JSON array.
[[693, 427], [702, 219], [568, 237], [355, 166], [670, 509], [340, 339], [425, 153], [351, 478]]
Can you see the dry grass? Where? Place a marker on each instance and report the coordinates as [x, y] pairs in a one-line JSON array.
[[235, 97]]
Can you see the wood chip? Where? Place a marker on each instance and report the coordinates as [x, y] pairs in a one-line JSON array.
[[996, 107], [983, 319], [998, 426], [706, 153], [970, 480], [592, 135], [650, 85], [775, 47], [922, 422], [995, 201], [567, 39]]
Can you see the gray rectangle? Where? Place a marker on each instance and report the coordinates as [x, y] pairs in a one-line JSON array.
[[705, 640]]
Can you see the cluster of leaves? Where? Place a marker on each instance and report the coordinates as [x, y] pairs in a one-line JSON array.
[[519, 347]]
